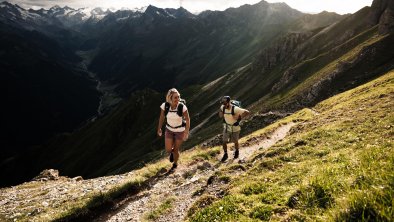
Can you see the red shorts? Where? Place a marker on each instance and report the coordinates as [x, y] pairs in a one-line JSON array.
[[174, 135]]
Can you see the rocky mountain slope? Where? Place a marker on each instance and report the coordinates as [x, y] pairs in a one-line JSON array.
[[333, 162]]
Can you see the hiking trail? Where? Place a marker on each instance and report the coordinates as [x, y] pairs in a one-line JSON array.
[[181, 188]]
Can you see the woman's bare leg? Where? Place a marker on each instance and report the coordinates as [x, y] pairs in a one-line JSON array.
[[169, 143], [177, 146]]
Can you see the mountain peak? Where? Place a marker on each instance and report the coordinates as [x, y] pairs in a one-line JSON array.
[[6, 4], [184, 12], [55, 7], [179, 13], [68, 8], [98, 11], [151, 7], [151, 10], [382, 13], [382, 4], [262, 2], [168, 12]]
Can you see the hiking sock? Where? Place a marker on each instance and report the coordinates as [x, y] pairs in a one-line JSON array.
[[236, 154], [174, 166], [171, 157], [225, 156]]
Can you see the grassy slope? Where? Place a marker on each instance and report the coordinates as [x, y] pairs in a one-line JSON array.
[[249, 85], [309, 72], [338, 165]]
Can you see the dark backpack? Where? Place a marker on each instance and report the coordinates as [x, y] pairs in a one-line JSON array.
[[179, 111]]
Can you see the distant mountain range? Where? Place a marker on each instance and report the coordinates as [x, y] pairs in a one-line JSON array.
[[270, 56], [163, 48], [69, 17]]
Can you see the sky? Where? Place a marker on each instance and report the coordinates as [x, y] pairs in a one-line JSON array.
[[195, 6]]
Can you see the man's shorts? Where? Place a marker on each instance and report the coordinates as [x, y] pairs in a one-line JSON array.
[[174, 135], [233, 136]]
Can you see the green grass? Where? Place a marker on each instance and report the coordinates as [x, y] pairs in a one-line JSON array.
[[337, 165], [202, 202], [93, 202], [87, 205], [225, 210], [351, 55], [311, 71], [206, 155], [163, 208]]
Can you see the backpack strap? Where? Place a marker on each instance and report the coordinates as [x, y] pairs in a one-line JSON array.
[[232, 113], [224, 121], [180, 109], [166, 108], [232, 110]]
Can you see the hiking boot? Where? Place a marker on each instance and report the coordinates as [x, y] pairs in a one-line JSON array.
[[224, 158], [174, 166], [236, 154], [171, 157]]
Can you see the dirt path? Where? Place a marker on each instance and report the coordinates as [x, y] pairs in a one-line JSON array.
[[180, 187]]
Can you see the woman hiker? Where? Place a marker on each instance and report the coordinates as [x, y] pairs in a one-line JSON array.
[[177, 126]]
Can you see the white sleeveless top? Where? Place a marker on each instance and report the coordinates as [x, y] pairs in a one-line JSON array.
[[173, 119], [230, 119]]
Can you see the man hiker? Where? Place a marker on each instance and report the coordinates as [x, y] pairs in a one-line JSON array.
[[232, 116]]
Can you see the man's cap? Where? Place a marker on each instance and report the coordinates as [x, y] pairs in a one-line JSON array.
[[225, 99]]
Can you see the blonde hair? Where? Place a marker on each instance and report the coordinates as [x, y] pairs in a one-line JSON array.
[[170, 93]]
